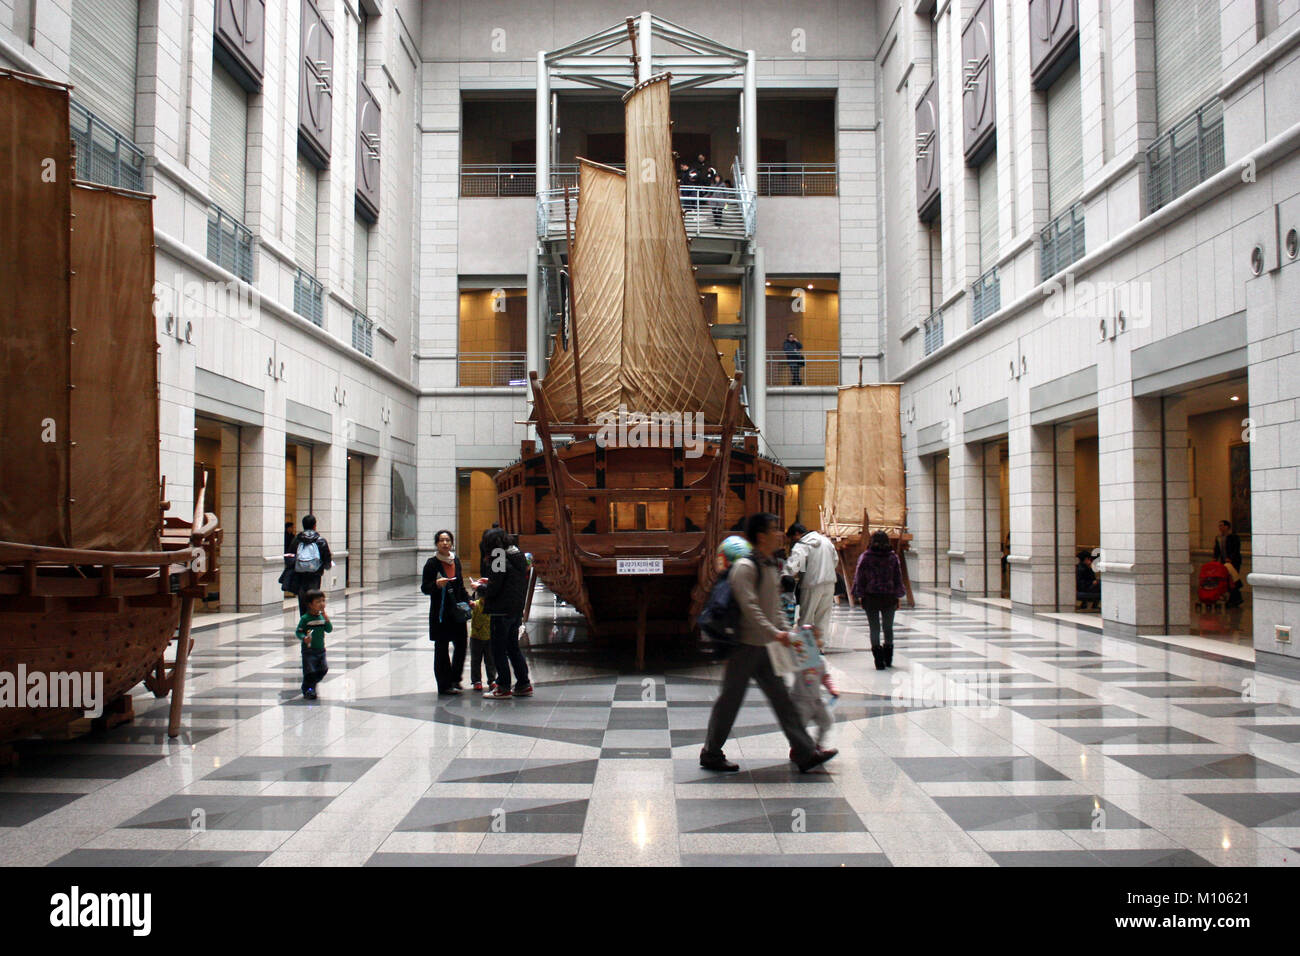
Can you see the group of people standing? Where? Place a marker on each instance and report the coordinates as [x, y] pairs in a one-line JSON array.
[[490, 608]]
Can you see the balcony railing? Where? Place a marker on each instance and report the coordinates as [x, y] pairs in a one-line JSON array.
[[804, 369], [363, 335], [1188, 154], [797, 179], [492, 368], [230, 243], [309, 297], [933, 330], [104, 155], [985, 296], [486, 179], [707, 211], [1062, 242]]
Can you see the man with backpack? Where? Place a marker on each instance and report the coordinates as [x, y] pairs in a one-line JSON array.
[[306, 560], [755, 583]]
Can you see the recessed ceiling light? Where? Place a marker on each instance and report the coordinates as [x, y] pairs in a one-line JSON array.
[[1236, 398], [769, 282], [810, 285]]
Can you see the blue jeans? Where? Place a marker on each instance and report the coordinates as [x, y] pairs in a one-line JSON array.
[[506, 652], [314, 668]]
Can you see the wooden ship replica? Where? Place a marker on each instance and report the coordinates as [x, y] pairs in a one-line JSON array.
[[94, 580], [865, 489], [622, 522]]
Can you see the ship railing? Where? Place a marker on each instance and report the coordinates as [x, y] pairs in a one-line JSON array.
[[802, 369]]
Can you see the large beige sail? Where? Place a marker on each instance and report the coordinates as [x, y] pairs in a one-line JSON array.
[[670, 361], [596, 269], [832, 470], [865, 471]]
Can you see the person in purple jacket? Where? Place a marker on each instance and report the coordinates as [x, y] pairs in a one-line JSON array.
[[877, 585]]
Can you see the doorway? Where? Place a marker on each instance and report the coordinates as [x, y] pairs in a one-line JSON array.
[[209, 436], [354, 574]]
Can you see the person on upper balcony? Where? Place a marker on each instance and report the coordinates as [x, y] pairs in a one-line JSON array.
[[794, 358]]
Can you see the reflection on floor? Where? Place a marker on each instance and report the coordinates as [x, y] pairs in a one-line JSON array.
[[998, 739]]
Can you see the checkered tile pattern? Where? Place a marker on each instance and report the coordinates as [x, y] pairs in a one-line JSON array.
[[996, 740]]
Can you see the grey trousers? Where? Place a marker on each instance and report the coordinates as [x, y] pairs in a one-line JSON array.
[[748, 661]]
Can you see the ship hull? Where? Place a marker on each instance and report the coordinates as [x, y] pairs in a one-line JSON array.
[[651, 579], [124, 645]]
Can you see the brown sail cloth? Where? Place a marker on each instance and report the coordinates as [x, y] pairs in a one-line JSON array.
[[35, 178], [864, 461], [114, 418]]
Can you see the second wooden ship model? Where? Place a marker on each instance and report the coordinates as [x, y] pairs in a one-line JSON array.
[[95, 582], [647, 458]]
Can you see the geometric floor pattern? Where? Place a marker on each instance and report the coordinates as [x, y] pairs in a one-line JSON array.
[[997, 740]]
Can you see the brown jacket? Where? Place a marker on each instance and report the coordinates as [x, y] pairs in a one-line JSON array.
[[757, 590]]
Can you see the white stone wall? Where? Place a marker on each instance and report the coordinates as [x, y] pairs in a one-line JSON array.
[[1195, 269]]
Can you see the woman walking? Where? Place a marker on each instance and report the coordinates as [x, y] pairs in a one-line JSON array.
[[878, 584], [444, 583]]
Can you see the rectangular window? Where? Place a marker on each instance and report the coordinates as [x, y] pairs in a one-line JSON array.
[[988, 212], [305, 223], [361, 265], [1188, 52], [101, 64], [229, 142], [493, 334], [1064, 142]]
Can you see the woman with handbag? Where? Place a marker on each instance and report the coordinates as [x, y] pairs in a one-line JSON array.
[[449, 613]]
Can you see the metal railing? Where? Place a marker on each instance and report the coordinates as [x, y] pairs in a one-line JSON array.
[[803, 369], [309, 297], [363, 335], [1188, 154], [500, 179], [1062, 242], [933, 331], [797, 179], [985, 296], [104, 155], [707, 211], [230, 243], [492, 368]]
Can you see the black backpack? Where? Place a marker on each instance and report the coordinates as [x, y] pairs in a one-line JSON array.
[[720, 618]]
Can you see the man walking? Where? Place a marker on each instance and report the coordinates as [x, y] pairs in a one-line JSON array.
[[306, 559], [813, 561], [756, 587], [505, 592]]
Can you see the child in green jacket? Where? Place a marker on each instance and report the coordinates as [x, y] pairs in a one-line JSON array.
[[312, 628]]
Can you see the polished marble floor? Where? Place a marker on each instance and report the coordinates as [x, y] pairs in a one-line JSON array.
[[998, 739]]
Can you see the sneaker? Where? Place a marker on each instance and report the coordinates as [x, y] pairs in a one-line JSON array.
[[309, 693], [818, 758], [478, 685], [525, 691], [496, 693]]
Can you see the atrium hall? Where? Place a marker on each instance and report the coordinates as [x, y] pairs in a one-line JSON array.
[[1061, 234]]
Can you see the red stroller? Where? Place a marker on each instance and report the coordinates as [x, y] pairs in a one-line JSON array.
[[1212, 583]]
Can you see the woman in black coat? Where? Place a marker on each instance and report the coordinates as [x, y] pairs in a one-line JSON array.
[[444, 582]]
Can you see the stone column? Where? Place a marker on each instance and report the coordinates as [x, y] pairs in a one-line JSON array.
[[1042, 515], [1144, 514]]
